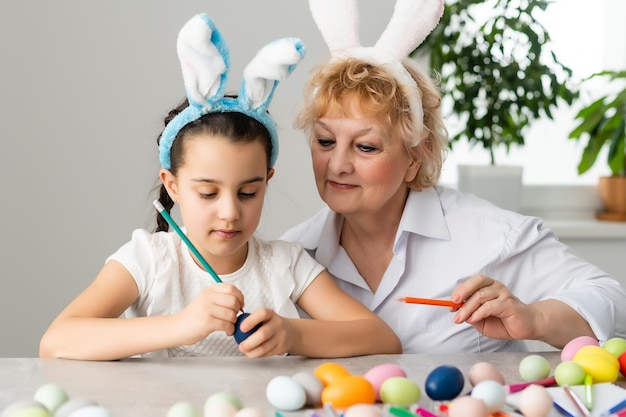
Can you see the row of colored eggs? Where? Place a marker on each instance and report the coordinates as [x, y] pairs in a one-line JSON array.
[[332, 384]]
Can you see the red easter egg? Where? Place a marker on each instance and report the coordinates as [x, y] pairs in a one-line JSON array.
[[622, 364]]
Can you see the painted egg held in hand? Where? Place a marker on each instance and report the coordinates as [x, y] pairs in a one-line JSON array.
[[239, 335]]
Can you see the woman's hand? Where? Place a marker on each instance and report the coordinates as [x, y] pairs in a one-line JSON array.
[[493, 310], [273, 337], [214, 309]]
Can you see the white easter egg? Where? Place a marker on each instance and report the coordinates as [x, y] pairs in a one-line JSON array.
[[285, 393], [91, 411], [72, 405], [52, 396], [492, 393]]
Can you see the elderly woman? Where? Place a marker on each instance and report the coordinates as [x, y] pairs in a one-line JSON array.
[[389, 231]]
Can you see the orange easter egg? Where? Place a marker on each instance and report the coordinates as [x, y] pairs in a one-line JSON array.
[[348, 391], [329, 372]]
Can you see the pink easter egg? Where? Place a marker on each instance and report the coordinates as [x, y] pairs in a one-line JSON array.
[[467, 406], [380, 373], [535, 401], [570, 349], [484, 371]]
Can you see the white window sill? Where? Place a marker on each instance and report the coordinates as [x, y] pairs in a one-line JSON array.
[[569, 211]]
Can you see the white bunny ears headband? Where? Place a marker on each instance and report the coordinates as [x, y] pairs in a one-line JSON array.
[[205, 63], [410, 24]]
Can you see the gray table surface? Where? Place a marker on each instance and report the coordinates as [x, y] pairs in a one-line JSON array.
[[149, 387]]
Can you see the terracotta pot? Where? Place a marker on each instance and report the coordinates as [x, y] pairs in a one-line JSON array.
[[612, 191]]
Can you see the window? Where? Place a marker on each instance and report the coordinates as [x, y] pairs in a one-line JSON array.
[[588, 36]]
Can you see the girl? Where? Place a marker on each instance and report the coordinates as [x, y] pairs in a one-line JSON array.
[[217, 155]]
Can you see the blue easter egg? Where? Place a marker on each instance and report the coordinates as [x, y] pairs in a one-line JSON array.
[[239, 335], [444, 383]]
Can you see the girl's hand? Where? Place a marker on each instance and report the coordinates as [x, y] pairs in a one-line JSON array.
[[493, 310], [274, 337], [214, 309]]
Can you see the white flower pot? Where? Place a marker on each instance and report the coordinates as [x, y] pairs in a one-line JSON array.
[[499, 184]]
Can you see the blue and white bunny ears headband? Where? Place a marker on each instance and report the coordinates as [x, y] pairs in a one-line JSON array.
[[410, 24], [205, 63]]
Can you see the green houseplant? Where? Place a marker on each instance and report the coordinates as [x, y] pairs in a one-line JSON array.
[[498, 74], [497, 69], [603, 124]]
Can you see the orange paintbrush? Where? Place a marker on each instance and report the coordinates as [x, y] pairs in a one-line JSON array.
[[429, 301]]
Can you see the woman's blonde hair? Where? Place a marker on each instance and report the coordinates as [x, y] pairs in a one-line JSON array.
[[377, 92]]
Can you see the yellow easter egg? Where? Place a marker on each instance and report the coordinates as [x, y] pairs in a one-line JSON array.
[[348, 391], [597, 362], [329, 372]]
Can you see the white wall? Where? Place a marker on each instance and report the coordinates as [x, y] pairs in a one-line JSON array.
[[84, 88]]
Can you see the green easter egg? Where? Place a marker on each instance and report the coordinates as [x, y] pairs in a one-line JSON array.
[[569, 373], [400, 391], [615, 345], [183, 409], [534, 367], [30, 412], [224, 396]]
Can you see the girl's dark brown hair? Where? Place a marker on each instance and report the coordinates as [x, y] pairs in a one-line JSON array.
[[236, 126]]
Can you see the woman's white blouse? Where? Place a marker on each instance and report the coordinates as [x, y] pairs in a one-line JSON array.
[[444, 237]]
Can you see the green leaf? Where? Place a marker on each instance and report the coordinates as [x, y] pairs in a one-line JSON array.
[[617, 151]]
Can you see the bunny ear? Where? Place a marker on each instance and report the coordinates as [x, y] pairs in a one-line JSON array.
[[338, 21], [272, 64], [205, 64], [204, 60], [410, 24]]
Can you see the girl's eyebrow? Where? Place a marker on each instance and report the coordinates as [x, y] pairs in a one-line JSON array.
[[244, 182]]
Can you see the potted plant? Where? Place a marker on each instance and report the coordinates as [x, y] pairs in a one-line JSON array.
[[603, 125], [498, 74]]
